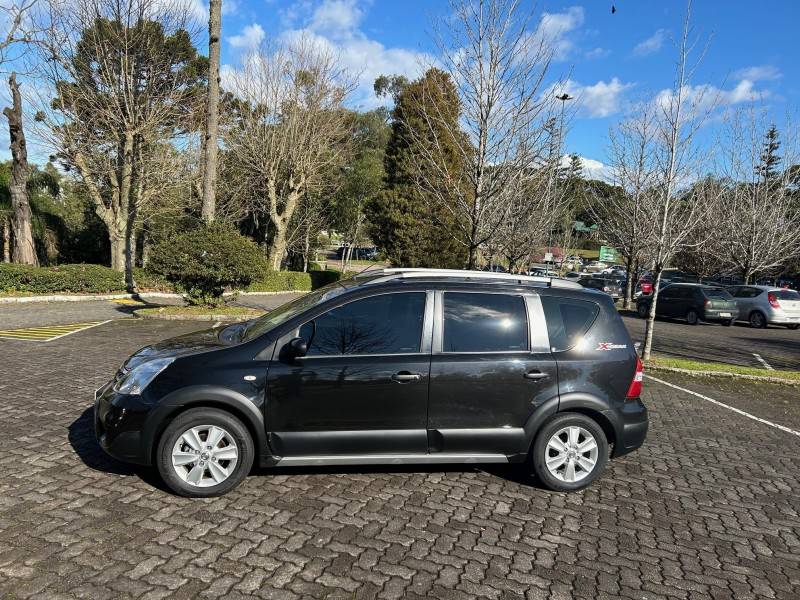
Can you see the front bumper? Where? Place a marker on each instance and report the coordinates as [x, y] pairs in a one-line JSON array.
[[118, 420], [630, 424]]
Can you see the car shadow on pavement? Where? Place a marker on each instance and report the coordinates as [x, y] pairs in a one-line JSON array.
[[82, 439], [516, 473]]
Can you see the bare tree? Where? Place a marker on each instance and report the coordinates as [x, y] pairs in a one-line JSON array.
[[622, 214], [22, 234], [497, 64], [288, 131], [16, 16], [127, 78], [673, 214], [760, 228], [211, 134]]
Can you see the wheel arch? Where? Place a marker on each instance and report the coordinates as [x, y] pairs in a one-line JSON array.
[[186, 399], [588, 405]]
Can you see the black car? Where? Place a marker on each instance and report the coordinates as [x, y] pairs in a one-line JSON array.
[[390, 367], [611, 285], [692, 301]]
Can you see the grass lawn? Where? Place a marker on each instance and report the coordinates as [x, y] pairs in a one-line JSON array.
[[696, 365]]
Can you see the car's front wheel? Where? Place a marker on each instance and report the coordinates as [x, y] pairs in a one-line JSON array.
[[642, 310], [570, 452], [204, 452], [792, 327]]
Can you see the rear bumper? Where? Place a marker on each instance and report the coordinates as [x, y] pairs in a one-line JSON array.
[[722, 314], [630, 425]]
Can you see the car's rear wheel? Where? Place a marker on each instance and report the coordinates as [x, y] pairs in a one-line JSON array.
[[692, 318], [728, 323], [642, 310], [792, 327], [758, 320], [570, 452], [204, 452]]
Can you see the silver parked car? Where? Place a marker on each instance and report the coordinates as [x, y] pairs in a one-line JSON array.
[[764, 305]]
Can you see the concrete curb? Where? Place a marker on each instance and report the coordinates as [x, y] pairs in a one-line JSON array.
[[211, 318], [761, 378], [142, 295]]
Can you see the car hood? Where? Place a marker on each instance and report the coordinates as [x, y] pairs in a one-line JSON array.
[[191, 343]]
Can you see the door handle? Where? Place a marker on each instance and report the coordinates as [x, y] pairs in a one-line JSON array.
[[536, 375], [404, 376]]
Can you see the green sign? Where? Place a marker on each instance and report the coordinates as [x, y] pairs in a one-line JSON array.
[[608, 254]]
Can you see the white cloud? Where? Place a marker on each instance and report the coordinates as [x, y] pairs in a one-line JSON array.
[[333, 18], [554, 29], [597, 53], [251, 37], [599, 100], [759, 73], [334, 25], [651, 44], [592, 169], [704, 98]]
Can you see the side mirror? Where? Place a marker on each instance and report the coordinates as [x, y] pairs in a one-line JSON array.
[[297, 348]]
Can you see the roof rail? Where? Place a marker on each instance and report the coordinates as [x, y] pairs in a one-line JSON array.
[[397, 273]]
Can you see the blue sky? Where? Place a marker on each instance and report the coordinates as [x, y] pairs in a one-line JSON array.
[[610, 59]]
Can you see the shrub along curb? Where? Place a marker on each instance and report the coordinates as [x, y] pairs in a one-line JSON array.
[[704, 373], [142, 295], [154, 313]]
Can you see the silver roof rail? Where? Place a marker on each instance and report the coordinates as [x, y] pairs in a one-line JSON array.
[[396, 273]]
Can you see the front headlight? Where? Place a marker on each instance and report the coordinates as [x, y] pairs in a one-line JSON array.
[[140, 376]]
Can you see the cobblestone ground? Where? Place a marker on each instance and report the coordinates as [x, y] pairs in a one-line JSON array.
[[708, 508]]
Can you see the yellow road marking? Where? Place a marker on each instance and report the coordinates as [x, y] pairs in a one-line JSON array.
[[127, 301], [47, 333]]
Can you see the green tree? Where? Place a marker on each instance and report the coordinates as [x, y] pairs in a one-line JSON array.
[[412, 231]]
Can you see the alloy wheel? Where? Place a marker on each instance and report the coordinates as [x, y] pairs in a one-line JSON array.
[[571, 454], [205, 455]]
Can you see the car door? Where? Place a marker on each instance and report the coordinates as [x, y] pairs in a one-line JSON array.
[[665, 305], [489, 371], [362, 387]]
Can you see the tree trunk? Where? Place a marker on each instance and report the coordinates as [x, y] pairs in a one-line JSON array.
[[277, 247], [651, 317], [116, 237], [130, 252], [210, 147], [472, 258], [6, 240], [145, 248], [24, 249], [626, 301]]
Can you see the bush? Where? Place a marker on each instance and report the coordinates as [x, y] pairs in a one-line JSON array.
[[279, 281], [204, 262], [78, 278]]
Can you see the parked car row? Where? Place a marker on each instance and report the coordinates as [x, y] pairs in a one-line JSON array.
[[758, 305]]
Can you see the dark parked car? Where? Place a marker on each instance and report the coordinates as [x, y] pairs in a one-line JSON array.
[[693, 302], [611, 285], [391, 367]]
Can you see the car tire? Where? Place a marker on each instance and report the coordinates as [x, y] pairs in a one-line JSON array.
[[728, 323], [555, 475], [642, 310], [792, 327], [692, 318], [757, 320], [220, 468]]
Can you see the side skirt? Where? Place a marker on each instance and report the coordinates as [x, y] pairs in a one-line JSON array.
[[390, 459]]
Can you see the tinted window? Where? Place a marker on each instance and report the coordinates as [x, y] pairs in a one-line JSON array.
[[385, 324], [484, 323], [718, 294], [568, 320], [785, 294]]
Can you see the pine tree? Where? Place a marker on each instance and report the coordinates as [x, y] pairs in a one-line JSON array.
[[403, 223], [769, 160]]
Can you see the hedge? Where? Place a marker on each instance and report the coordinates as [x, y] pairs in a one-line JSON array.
[[98, 279]]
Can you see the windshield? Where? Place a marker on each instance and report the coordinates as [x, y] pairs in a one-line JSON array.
[[785, 294], [286, 311], [718, 293]]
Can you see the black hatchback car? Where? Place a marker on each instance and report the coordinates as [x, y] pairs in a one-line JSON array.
[[693, 302], [391, 367]]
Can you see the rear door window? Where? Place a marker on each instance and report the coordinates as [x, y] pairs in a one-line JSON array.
[[785, 294], [568, 320], [484, 323]]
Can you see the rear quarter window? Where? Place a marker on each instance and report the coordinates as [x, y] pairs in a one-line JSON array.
[[568, 320], [786, 294], [718, 294]]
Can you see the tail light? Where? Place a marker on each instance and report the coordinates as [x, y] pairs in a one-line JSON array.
[[635, 389], [606, 288], [707, 303], [773, 300]]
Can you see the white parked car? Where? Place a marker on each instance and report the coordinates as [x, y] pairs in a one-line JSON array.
[[763, 305]]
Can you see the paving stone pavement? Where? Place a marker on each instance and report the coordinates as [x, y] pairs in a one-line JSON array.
[[708, 508]]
